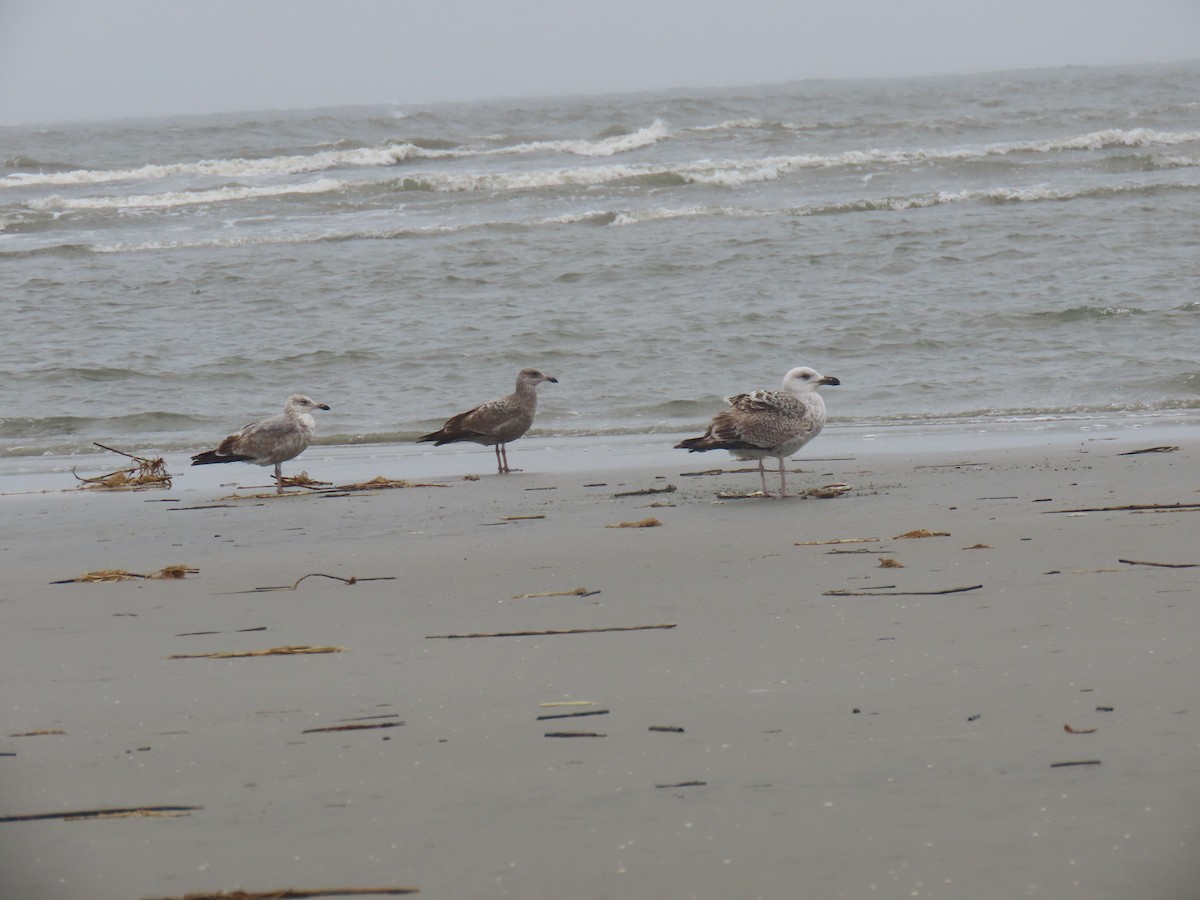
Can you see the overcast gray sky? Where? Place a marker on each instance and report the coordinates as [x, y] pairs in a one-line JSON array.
[[66, 60]]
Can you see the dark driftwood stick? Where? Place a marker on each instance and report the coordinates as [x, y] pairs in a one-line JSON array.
[[1140, 562], [573, 734], [238, 631], [97, 813], [952, 465], [273, 651], [297, 894], [1077, 762], [352, 727], [1163, 449], [680, 784], [575, 715], [120, 452], [871, 540], [546, 632], [957, 590], [1133, 507], [669, 489]]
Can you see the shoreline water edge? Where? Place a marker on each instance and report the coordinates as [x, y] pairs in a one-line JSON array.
[[561, 453]]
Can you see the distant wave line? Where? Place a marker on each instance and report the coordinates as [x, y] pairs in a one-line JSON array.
[[634, 217], [727, 173], [361, 157], [610, 146], [184, 198]]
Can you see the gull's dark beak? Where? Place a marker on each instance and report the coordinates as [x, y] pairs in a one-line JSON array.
[[552, 378], [324, 407], [829, 379]]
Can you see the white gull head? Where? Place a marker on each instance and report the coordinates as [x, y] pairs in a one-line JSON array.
[[803, 380]]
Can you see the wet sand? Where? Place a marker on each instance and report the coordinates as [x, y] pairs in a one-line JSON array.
[[1011, 711]]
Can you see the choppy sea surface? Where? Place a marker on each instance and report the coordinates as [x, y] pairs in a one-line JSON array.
[[996, 248]]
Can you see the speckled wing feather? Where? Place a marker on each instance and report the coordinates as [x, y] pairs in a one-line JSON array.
[[767, 419], [270, 441], [496, 421], [762, 421]]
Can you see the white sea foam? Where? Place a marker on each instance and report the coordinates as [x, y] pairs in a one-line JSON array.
[[361, 157], [731, 125], [183, 198], [658, 214], [609, 146]]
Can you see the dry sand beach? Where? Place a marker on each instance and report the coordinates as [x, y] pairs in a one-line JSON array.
[[1007, 711]]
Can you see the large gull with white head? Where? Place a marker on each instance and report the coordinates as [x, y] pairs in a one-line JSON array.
[[496, 422], [271, 442], [768, 423]]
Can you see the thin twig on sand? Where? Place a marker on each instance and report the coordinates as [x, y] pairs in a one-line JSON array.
[[574, 715], [548, 631], [1132, 507], [870, 540], [957, 590], [298, 894], [1140, 562], [1163, 449], [379, 482], [373, 725], [273, 651], [118, 812], [352, 580], [645, 492], [574, 592]]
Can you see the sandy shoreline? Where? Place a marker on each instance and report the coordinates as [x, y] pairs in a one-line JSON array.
[[898, 742]]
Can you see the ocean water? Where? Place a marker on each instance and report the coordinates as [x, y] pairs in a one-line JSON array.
[[990, 248]]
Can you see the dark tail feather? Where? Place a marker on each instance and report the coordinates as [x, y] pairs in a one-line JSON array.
[[694, 445], [208, 457], [446, 436], [709, 442]]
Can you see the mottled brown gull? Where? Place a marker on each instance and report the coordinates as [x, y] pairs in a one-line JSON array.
[[768, 423], [496, 422], [272, 441]]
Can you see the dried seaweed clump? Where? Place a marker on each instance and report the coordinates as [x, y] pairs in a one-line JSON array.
[[110, 575], [148, 473], [303, 479], [650, 522]]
